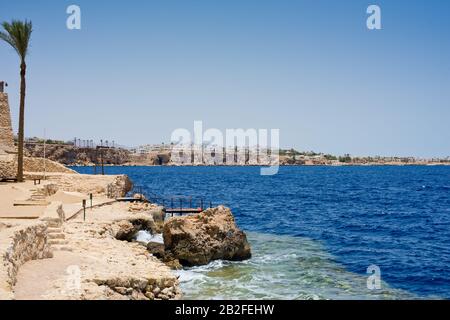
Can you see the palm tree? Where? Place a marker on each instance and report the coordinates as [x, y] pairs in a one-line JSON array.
[[18, 34]]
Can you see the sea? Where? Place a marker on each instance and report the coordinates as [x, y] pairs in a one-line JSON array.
[[320, 232]]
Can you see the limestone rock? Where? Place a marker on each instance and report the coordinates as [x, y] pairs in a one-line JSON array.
[[68, 154], [174, 264], [157, 249], [127, 229], [123, 230], [119, 187], [211, 235], [153, 210], [141, 206]]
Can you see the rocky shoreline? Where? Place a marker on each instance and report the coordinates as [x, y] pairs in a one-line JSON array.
[[112, 267], [281, 164], [199, 239], [65, 254]]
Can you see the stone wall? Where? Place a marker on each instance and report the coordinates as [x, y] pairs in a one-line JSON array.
[[111, 186], [8, 163], [6, 133], [19, 244], [8, 166]]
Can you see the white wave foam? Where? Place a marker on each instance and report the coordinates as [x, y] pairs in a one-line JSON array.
[[146, 237]]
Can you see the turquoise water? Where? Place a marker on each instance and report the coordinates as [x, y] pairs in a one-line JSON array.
[[315, 230], [282, 267]]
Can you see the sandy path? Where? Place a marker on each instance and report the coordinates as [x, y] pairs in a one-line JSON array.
[[37, 277], [11, 192]]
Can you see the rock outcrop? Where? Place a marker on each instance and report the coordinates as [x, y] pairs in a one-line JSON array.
[[119, 187], [150, 159], [150, 209], [70, 155], [199, 239], [126, 229], [158, 251]]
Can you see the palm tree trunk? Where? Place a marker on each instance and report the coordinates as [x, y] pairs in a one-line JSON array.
[[23, 68]]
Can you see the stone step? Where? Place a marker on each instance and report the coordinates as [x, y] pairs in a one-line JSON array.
[[53, 224], [37, 198], [54, 230], [56, 236], [62, 248], [57, 241]]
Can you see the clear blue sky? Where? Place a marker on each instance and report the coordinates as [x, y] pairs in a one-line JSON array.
[[139, 69]]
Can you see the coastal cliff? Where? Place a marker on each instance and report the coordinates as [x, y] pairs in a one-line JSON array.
[[70, 155]]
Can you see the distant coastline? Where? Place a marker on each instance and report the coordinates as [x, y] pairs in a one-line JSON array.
[[282, 165], [89, 154], [291, 165]]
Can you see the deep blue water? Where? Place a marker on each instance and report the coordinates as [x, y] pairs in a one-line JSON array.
[[395, 217]]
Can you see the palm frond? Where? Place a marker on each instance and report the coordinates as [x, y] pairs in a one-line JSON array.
[[18, 35], [5, 37]]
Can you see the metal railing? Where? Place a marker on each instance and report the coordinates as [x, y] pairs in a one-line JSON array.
[[174, 204]]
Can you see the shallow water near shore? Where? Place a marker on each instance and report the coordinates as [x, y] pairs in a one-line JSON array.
[[315, 230], [282, 267]]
